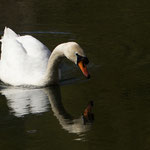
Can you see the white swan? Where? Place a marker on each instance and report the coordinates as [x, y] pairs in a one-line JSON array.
[[26, 61]]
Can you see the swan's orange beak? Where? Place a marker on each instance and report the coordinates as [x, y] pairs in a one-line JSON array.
[[83, 68]]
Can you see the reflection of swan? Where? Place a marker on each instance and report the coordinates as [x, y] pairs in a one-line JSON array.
[[25, 101], [26, 61], [66, 121]]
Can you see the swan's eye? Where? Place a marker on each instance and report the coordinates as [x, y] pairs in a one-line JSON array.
[[81, 58]]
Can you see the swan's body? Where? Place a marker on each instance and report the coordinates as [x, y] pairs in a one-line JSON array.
[[26, 61]]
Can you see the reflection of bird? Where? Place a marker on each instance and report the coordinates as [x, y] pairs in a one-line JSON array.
[[65, 119], [88, 116], [24, 101], [26, 61]]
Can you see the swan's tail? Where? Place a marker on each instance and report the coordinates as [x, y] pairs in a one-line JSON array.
[[8, 33]]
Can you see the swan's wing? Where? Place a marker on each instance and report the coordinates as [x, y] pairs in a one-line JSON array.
[[23, 44], [10, 44], [13, 57], [37, 53], [33, 47], [11, 50], [9, 34], [23, 58]]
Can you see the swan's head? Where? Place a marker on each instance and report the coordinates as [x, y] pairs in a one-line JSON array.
[[75, 53]]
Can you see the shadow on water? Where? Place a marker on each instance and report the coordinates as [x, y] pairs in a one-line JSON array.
[[28, 101]]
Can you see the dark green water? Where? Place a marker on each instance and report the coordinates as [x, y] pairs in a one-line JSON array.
[[115, 36]]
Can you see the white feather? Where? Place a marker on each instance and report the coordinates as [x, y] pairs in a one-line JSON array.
[[23, 60]]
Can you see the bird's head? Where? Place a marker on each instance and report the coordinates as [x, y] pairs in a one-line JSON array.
[[76, 54]]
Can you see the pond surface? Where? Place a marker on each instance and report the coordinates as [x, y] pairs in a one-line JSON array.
[[115, 36]]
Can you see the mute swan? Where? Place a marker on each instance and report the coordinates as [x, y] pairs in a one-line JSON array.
[[26, 61]]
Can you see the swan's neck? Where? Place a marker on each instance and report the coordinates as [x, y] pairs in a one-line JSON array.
[[51, 76]]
